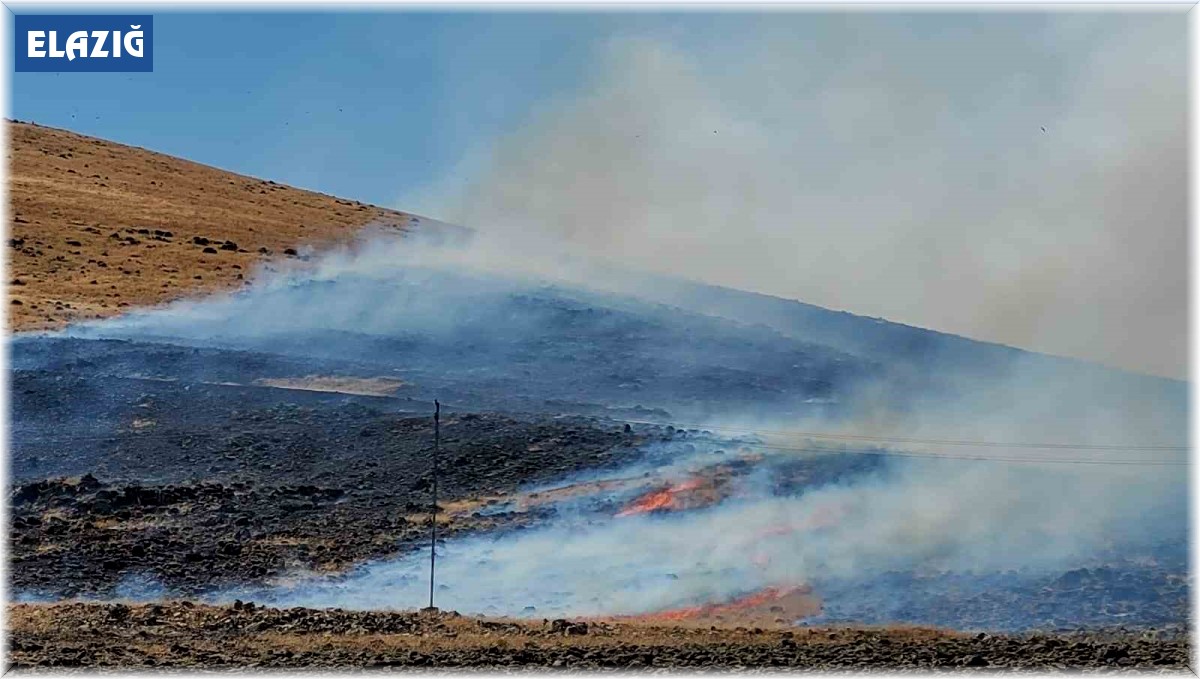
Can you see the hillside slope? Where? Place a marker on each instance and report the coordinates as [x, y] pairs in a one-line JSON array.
[[96, 226]]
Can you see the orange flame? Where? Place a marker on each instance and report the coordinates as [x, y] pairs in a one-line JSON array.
[[670, 498]]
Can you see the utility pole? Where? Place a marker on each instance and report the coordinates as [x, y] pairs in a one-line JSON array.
[[437, 443]]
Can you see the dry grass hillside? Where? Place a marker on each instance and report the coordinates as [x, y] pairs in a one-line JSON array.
[[96, 226]]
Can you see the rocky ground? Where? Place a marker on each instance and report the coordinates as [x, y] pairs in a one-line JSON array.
[[183, 635], [297, 488]]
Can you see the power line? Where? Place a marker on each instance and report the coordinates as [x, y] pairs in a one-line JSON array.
[[780, 432], [980, 458], [897, 439], [126, 437]]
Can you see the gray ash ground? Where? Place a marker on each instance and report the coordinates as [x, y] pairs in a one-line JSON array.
[[1116, 592]]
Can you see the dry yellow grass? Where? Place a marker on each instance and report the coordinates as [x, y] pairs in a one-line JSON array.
[[449, 631], [181, 635], [96, 226]]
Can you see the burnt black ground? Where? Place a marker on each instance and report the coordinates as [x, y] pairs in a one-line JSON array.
[[182, 488], [206, 477], [255, 492], [193, 483], [157, 464]]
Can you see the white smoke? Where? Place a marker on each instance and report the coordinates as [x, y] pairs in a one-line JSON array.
[[889, 164], [918, 514], [928, 516]]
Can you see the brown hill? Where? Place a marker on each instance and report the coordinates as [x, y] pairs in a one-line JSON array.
[[97, 226]]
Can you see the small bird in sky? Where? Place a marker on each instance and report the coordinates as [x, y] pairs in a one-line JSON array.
[[1043, 128]]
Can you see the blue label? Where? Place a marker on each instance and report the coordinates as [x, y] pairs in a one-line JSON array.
[[85, 43]]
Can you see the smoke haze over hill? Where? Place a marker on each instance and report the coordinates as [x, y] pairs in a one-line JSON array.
[[856, 162], [1102, 476]]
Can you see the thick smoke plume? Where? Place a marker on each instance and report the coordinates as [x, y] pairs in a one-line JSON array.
[[1011, 510], [1010, 177]]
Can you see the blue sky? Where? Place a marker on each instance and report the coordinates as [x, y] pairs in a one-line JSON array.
[[367, 105], [360, 105], [377, 106]]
